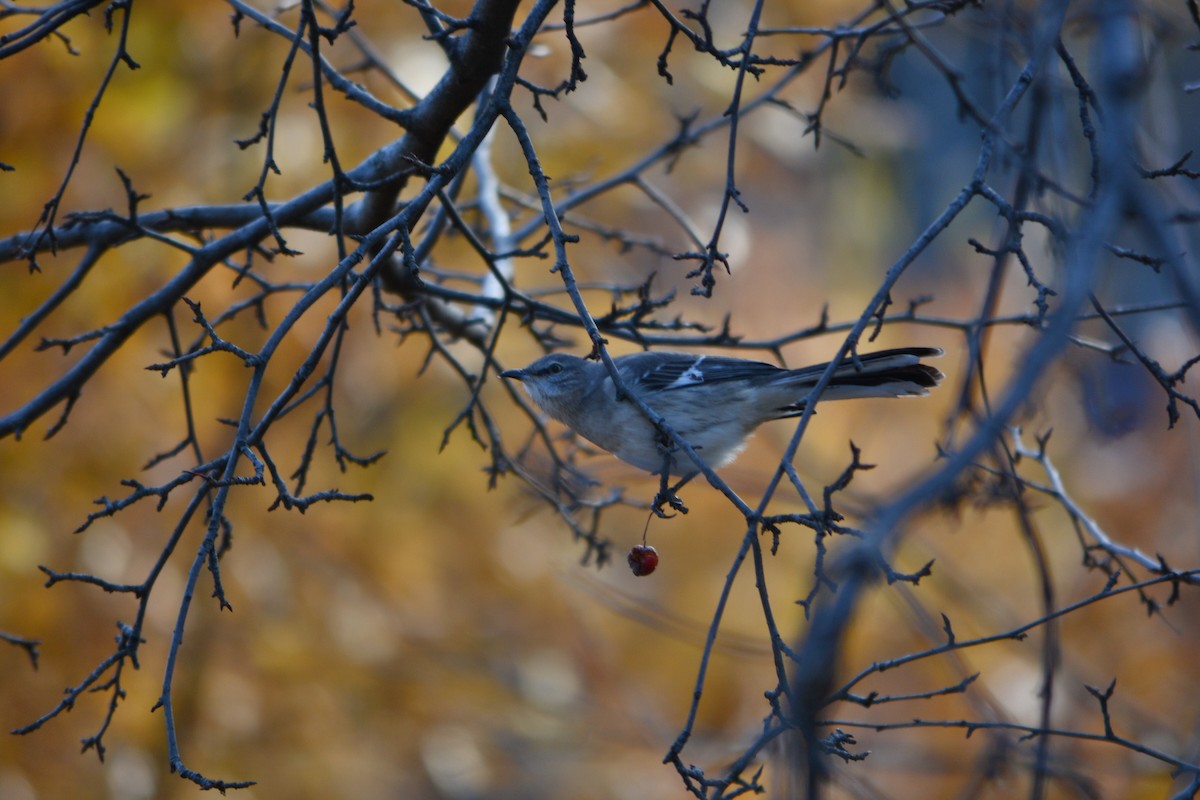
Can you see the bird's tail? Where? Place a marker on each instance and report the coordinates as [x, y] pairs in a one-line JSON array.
[[885, 373]]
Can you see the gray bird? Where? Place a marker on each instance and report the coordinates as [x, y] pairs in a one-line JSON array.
[[713, 402]]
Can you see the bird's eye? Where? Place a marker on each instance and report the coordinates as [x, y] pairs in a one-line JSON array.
[[555, 369]]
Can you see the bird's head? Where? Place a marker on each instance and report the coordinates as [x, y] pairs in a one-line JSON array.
[[555, 382]]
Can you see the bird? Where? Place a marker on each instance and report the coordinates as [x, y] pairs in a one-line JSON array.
[[714, 403]]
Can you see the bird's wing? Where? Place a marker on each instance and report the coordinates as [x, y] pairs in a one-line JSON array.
[[661, 372]]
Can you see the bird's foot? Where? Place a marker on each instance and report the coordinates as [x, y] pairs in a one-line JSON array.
[[666, 497]]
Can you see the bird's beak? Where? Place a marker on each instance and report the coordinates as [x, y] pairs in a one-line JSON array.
[[516, 374]]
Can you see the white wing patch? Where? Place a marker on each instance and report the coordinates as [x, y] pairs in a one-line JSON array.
[[691, 376]]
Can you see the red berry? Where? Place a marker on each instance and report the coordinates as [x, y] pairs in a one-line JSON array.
[[642, 559]]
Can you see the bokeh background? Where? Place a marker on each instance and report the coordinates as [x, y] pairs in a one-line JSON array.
[[445, 641]]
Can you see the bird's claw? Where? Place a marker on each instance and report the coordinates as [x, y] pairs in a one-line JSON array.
[[667, 498]]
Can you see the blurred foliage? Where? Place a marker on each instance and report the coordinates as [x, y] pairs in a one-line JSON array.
[[443, 640]]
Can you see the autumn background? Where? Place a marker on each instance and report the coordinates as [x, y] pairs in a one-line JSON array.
[[448, 640]]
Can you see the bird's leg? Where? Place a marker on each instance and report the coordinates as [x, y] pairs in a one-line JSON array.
[[666, 494]]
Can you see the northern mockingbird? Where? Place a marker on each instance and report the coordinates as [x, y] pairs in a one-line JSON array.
[[713, 402]]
